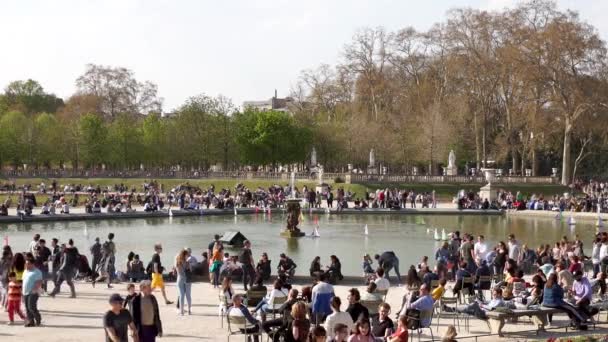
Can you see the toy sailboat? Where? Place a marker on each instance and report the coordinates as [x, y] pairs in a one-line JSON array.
[[436, 235], [235, 212], [366, 231], [315, 232], [571, 221], [444, 236], [170, 212]]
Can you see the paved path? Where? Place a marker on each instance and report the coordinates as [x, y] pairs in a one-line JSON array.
[[80, 319]]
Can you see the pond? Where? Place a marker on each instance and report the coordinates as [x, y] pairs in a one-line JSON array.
[[410, 236]]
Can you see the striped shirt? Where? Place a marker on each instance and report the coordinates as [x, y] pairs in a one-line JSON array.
[[14, 291]]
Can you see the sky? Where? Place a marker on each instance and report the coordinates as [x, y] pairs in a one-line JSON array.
[[242, 49]]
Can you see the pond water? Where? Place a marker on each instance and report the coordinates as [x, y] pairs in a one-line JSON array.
[[409, 236]]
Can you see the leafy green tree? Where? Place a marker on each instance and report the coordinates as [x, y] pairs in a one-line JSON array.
[[47, 141], [92, 144], [154, 140], [271, 137], [14, 137], [125, 142]]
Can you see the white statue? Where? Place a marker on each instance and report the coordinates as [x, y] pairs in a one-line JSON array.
[[320, 174], [372, 158], [313, 157], [452, 160]]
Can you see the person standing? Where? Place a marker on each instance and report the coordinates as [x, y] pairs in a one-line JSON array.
[[247, 262], [42, 257], [322, 294], [67, 270], [146, 315], [32, 281], [184, 287], [117, 321], [33, 243], [157, 269], [96, 254]]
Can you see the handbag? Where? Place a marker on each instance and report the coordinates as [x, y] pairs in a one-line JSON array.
[[188, 274]]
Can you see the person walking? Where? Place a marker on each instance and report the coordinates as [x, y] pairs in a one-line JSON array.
[[55, 260], [96, 255], [145, 313], [156, 269], [108, 260], [32, 281], [248, 264], [117, 321], [184, 286], [68, 269], [14, 298]]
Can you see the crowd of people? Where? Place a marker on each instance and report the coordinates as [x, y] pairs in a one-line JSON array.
[[558, 275]]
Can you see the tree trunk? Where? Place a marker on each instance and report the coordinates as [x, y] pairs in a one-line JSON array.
[[534, 160], [566, 153], [477, 142]]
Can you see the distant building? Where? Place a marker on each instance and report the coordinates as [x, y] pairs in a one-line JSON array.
[[275, 103], [168, 115]]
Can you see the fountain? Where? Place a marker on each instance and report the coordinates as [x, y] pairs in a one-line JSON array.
[[293, 213]]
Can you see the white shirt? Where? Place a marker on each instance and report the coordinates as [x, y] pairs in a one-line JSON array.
[[514, 250], [603, 251], [337, 318], [275, 294], [595, 253], [382, 284], [481, 250]]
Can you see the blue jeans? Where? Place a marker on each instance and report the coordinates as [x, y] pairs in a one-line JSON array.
[[263, 304], [185, 291], [395, 265]]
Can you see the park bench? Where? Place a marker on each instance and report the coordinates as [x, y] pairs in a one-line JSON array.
[[498, 318]]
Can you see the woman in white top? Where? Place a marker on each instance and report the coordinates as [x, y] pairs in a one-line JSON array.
[[268, 303], [337, 317]]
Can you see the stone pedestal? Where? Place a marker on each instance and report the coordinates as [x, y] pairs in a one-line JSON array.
[[487, 191], [293, 218], [451, 171]]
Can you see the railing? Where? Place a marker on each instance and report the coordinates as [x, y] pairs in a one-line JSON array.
[[274, 176]]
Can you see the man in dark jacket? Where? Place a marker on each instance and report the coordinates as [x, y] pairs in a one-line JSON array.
[[388, 260], [69, 265], [146, 315], [96, 255]]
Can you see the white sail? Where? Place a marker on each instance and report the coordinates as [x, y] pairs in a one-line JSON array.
[[436, 235], [170, 212], [366, 230], [315, 232], [571, 221], [235, 212], [600, 222], [444, 236]]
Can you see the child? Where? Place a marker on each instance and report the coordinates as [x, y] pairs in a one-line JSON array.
[[14, 298], [368, 271], [439, 291], [131, 294]]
